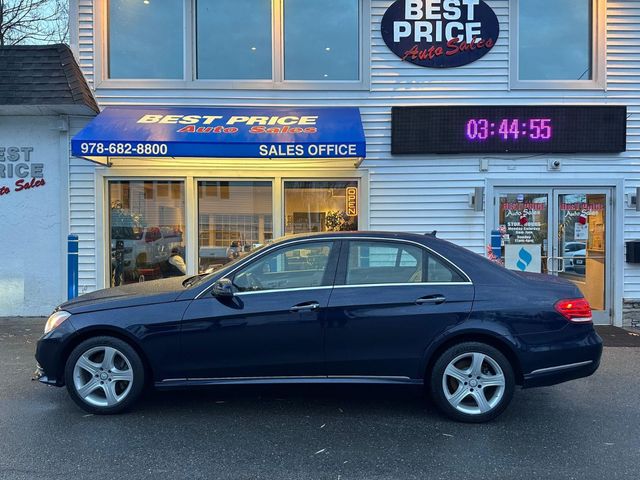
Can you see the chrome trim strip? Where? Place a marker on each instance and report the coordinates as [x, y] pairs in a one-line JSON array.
[[333, 239], [423, 284], [308, 377], [300, 289], [561, 367]]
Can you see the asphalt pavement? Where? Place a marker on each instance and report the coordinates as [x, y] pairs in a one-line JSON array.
[[585, 429]]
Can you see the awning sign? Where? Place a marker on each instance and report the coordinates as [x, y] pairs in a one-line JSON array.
[[440, 33], [222, 133]]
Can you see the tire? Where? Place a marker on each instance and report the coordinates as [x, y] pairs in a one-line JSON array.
[[472, 382], [104, 375]]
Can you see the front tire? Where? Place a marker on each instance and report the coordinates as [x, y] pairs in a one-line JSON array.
[[104, 375], [472, 382]]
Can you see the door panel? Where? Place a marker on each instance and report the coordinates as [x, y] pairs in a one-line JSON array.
[[384, 330], [581, 241], [255, 334]]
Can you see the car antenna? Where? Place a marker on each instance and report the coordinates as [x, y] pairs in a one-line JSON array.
[[432, 234]]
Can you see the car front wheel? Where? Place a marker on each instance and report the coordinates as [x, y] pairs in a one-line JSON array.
[[472, 382], [104, 375]]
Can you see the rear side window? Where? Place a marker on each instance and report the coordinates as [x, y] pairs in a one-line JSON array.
[[373, 262]]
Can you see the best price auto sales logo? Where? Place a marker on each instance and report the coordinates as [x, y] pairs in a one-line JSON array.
[[440, 33]]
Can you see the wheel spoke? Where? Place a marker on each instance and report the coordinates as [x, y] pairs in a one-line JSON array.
[[454, 372], [122, 375], [110, 393], [481, 400], [88, 365], [89, 387], [458, 396], [109, 357], [476, 364], [493, 380]]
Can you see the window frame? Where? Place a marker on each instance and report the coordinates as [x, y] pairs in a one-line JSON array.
[[328, 276], [190, 80], [343, 263], [598, 52]]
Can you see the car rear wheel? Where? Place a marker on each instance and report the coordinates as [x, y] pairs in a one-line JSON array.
[[104, 375], [472, 382]]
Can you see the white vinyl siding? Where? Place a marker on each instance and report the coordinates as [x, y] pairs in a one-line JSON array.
[[425, 193]]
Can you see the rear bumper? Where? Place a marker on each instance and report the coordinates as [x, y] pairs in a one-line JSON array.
[[573, 353]]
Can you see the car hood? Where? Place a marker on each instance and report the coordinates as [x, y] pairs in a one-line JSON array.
[[144, 293]]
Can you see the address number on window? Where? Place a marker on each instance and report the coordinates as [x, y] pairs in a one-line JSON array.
[[99, 148]]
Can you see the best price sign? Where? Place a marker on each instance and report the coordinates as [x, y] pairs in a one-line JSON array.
[[440, 33]]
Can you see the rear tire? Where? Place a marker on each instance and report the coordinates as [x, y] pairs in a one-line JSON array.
[[472, 382], [104, 375]]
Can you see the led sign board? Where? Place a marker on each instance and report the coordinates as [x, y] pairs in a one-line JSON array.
[[509, 129]]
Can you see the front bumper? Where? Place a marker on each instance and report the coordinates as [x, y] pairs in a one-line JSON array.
[[572, 353], [51, 354]]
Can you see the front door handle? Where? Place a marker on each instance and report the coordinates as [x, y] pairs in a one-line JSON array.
[[431, 300], [305, 307]]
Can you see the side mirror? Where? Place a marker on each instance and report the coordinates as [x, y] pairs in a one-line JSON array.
[[222, 288]]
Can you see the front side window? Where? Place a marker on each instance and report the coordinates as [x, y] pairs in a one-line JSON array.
[[555, 41], [146, 39], [373, 262], [146, 225], [297, 266]]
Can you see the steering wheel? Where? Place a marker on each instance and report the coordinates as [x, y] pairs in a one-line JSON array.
[[253, 282]]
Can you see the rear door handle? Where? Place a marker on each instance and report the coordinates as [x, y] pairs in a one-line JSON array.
[[431, 300], [305, 307]]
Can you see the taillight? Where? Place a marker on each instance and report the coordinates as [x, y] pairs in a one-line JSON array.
[[575, 310]]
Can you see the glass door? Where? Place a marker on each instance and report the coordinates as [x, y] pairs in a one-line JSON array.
[[581, 245], [561, 232]]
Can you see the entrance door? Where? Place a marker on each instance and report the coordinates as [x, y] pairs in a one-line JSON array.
[[561, 232]]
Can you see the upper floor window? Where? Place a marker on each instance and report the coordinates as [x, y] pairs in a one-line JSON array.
[[145, 40], [557, 43], [236, 43]]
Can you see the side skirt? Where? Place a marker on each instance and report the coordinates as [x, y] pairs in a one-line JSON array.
[[195, 382]]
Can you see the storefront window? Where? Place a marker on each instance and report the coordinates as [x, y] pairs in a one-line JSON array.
[[234, 218], [543, 25], [146, 39], [246, 27], [147, 224], [321, 40], [329, 206]]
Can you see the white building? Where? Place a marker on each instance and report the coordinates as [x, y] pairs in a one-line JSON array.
[[564, 201]]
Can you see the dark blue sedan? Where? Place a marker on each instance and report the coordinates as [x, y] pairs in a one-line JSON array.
[[329, 308]]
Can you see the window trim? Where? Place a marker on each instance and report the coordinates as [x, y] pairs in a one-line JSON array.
[[598, 52], [328, 276], [190, 80], [343, 263]]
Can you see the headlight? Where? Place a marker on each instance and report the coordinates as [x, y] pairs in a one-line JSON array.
[[55, 320]]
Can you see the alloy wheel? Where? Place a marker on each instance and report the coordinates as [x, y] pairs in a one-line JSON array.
[[103, 376], [473, 383]]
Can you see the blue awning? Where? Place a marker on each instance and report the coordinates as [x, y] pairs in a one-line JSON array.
[[318, 132]]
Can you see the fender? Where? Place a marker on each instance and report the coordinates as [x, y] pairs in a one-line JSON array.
[[499, 332]]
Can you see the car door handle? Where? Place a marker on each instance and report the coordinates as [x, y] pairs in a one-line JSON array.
[[305, 307], [431, 300]]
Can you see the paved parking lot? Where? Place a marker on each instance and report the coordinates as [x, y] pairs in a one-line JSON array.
[[585, 429]]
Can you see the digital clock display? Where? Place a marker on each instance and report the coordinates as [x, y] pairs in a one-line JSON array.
[[516, 129]]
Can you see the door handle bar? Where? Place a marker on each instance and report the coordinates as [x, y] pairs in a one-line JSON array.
[[434, 300], [305, 307]]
